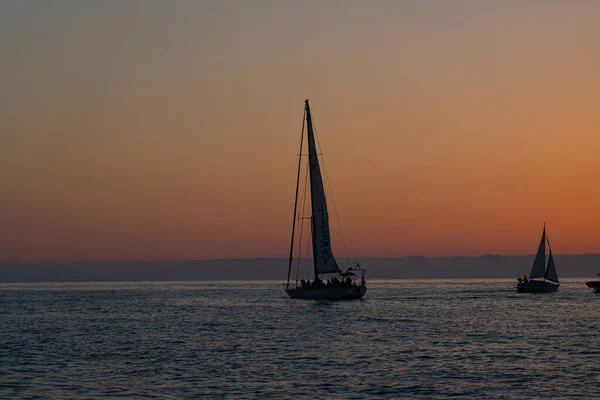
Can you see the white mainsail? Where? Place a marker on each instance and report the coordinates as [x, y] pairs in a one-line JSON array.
[[551, 274], [539, 264], [323, 256]]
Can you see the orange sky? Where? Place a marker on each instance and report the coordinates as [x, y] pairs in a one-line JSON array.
[[156, 130]]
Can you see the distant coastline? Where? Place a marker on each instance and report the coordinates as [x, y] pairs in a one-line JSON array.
[[409, 267]]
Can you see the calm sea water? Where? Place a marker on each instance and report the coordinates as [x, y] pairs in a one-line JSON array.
[[405, 339]]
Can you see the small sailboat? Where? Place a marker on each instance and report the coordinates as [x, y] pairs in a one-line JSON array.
[[339, 285], [549, 281], [594, 285]]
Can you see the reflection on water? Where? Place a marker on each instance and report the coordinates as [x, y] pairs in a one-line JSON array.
[[405, 339]]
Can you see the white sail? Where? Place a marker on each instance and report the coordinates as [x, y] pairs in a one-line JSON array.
[[551, 274], [323, 256], [539, 264]]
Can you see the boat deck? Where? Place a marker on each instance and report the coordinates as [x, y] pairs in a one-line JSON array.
[[327, 293], [594, 285]]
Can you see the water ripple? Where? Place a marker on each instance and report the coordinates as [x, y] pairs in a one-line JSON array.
[[406, 339]]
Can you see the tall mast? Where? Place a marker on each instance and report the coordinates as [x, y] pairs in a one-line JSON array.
[[312, 159], [296, 200]]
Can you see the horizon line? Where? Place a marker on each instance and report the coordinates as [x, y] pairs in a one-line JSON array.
[[96, 262]]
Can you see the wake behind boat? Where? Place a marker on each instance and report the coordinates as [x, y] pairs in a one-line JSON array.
[[340, 285], [594, 285], [549, 281]]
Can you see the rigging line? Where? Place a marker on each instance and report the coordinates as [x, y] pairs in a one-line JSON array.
[[549, 247], [549, 252], [302, 223], [331, 193], [295, 203]]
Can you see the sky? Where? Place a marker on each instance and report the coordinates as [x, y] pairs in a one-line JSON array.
[[154, 130]]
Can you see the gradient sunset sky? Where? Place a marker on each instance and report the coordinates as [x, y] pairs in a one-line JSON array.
[[154, 130]]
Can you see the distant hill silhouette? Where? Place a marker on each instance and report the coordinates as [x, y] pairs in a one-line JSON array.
[[411, 267]]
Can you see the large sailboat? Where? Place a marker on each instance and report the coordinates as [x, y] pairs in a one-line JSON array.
[[547, 273], [328, 281]]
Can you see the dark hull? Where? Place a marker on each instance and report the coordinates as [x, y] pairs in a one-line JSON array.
[[537, 287], [594, 285], [344, 293]]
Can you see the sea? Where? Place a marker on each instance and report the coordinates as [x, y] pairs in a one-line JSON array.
[[406, 339]]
